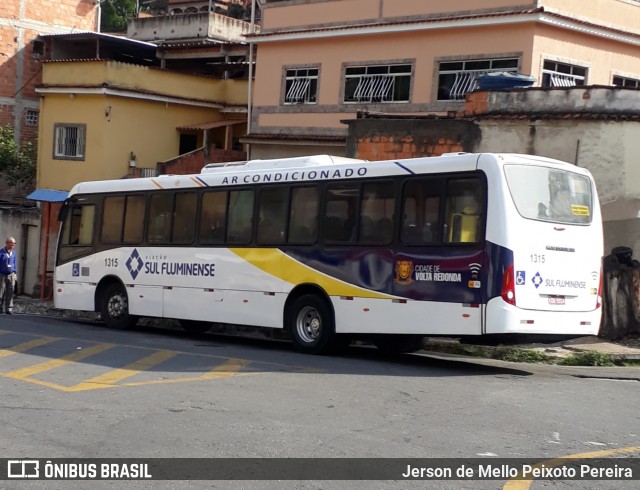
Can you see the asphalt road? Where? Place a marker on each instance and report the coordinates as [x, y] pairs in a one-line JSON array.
[[73, 389]]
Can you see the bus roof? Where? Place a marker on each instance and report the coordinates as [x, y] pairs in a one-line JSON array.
[[309, 169], [294, 162]]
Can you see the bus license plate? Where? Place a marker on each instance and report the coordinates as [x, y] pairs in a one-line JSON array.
[[556, 300]]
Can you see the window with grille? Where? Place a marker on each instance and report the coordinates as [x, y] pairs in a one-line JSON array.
[[556, 74], [301, 86], [31, 117], [377, 83], [457, 78], [626, 82], [69, 141]]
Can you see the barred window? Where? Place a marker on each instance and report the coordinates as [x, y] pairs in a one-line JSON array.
[[556, 74], [626, 82], [457, 78], [69, 141], [31, 117], [301, 86], [377, 83]]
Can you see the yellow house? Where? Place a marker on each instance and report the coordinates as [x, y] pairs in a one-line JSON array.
[[320, 61], [102, 119], [113, 117]]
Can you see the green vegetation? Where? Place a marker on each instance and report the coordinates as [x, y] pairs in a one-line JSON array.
[[589, 358], [519, 355], [17, 161], [236, 11], [115, 14], [530, 355]]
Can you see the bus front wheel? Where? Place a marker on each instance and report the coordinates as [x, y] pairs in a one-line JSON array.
[[310, 321], [115, 308]]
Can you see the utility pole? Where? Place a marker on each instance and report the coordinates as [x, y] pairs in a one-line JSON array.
[[250, 96]]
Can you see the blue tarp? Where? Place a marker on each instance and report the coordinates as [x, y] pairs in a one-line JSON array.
[[48, 195], [503, 80]]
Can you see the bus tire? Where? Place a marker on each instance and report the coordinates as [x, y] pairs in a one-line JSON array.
[[114, 308], [393, 344], [194, 326], [311, 323]]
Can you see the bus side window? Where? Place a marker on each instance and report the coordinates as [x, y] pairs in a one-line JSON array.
[[463, 210], [376, 213], [341, 219], [212, 217], [113, 210], [303, 215], [421, 211], [159, 224], [134, 215], [184, 223], [272, 212], [240, 216]]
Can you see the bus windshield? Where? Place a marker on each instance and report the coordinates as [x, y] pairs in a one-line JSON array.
[[549, 194]]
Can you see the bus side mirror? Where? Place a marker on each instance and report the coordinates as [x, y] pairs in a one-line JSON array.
[[63, 210]]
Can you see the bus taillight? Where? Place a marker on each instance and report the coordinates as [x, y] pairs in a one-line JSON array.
[[509, 286]]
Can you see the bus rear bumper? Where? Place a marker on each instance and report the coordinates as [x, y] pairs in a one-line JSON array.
[[503, 318]]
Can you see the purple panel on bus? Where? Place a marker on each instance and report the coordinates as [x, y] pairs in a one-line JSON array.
[[445, 274]]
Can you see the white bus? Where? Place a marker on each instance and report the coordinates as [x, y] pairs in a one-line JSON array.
[[458, 245]]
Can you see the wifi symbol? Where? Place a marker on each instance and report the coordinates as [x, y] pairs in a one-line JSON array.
[[594, 275], [474, 268]]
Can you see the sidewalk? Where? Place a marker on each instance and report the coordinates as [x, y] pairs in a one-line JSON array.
[[627, 349], [624, 350]]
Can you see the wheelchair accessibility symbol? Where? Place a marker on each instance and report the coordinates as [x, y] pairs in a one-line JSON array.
[[520, 278]]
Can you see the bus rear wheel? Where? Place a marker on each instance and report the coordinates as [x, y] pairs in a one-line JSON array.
[[397, 344], [310, 321], [115, 308], [194, 326]]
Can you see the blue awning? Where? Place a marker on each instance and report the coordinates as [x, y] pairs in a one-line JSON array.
[[48, 195]]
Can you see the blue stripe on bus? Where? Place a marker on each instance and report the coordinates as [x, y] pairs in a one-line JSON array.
[[405, 168], [202, 181]]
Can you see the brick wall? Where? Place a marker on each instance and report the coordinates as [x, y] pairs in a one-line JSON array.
[[8, 60], [76, 14], [21, 71], [6, 114], [192, 163], [386, 139]]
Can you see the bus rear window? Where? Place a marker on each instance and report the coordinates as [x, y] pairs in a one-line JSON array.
[[549, 194]]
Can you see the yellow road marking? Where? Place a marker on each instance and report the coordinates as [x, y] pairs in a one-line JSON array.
[[229, 368], [224, 370], [518, 483], [54, 363], [26, 346], [107, 380]]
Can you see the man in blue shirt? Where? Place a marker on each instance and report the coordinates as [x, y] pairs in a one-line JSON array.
[[8, 275]]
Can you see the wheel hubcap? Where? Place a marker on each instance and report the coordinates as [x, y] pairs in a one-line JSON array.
[[117, 306], [309, 324]]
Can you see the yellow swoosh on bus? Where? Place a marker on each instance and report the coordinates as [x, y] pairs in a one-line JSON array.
[[280, 265]]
